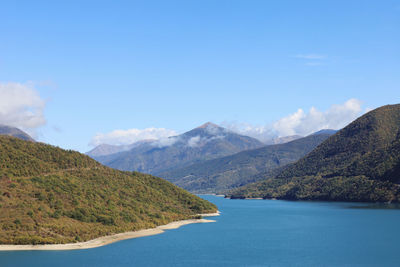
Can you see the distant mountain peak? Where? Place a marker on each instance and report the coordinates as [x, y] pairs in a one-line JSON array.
[[107, 149], [208, 124], [207, 141], [15, 132], [207, 129]]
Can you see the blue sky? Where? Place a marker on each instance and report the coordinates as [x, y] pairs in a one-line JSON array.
[[100, 66]]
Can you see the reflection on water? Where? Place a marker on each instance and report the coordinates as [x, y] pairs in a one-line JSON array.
[[378, 206]]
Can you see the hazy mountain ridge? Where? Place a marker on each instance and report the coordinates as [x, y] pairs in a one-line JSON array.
[[359, 163], [232, 171], [282, 140], [208, 141], [15, 132], [51, 195], [106, 149]]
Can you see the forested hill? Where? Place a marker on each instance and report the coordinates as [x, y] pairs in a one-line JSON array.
[[225, 173], [51, 195], [359, 163]]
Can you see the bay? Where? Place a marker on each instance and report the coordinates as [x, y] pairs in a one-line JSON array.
[[252, 233]]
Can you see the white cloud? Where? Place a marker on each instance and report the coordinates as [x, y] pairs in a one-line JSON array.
[[197, 141], [311, 56], [298, 123], [126, 137], [194, 141], [165, 141], [303, 123], [21, 106], [312, 59], [263, 133], [286, 125]]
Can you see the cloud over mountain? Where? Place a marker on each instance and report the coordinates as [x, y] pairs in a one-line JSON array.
[[302, 122], [130, 136], [21, 106]]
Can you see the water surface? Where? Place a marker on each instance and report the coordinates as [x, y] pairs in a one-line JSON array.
[[251, 233]]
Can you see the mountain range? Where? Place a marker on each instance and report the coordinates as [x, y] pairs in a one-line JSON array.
[[209, 141], [361, 162], [221, 174]]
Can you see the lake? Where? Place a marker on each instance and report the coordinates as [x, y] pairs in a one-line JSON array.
[[252, 233]]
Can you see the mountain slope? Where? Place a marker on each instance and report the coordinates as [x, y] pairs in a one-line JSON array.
[[282, 140], [106, 149], [50, 195], [359, 163], [225, 173], [12, 131], [208, 141]]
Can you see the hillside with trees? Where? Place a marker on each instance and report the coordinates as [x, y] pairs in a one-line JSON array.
[[359, 163], [49, 195]]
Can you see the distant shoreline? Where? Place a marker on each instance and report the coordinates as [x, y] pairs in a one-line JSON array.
[[105, 240], [209, 194]]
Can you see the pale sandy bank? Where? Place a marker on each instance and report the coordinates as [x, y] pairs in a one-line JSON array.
[[105, 240]]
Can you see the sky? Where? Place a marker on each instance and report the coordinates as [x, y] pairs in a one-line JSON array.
[[79, 73]]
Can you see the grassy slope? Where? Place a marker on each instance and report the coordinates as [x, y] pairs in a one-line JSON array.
[[359, 163], [225, 173], [50, 195]]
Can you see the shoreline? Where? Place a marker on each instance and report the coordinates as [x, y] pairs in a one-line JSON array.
[[105, 240]]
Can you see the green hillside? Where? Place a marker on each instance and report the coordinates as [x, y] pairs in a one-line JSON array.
[[50, 195], [359, 163], [225, 173]]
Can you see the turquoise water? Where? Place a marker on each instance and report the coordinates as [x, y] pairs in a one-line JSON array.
[[251, 233]]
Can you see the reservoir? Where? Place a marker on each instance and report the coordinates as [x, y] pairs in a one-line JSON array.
[[251, 233]]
